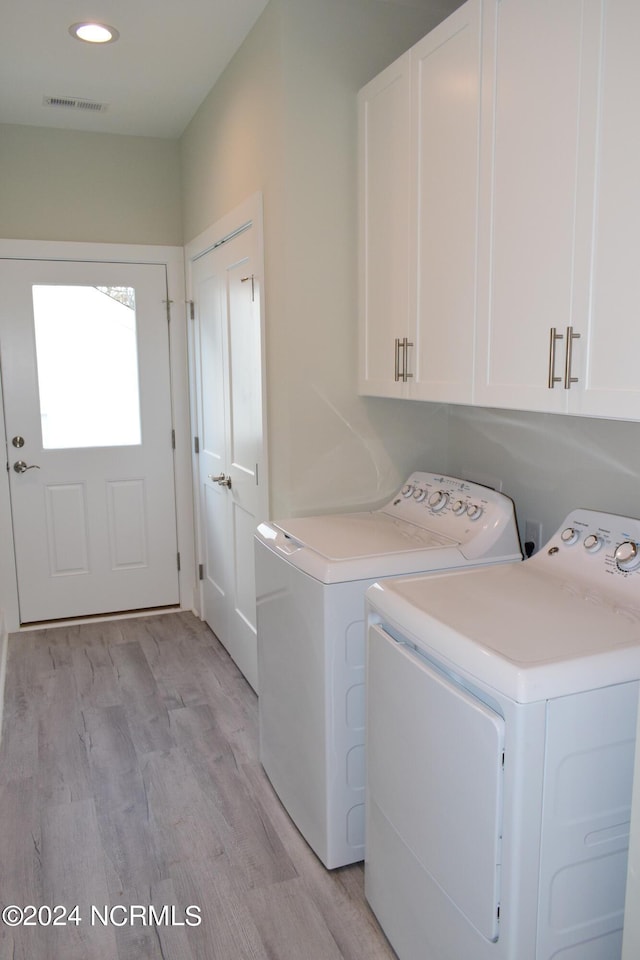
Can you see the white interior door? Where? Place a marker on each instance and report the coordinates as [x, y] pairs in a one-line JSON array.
[[231, 460], [86, 389]]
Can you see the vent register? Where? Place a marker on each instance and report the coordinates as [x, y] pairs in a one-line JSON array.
[[75, 103]]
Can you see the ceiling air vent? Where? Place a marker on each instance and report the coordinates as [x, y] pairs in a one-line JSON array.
[[75, 103]]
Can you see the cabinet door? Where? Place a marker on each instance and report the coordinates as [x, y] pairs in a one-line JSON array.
[[532, 79], [384, 224], [445, 123], [608, 381]]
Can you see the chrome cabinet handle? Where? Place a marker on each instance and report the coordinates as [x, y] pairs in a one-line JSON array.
[[405, 361], [553, 339], [402, 373], [21, 467], [568, 379]]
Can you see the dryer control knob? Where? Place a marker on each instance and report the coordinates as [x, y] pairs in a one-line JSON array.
[[419, 494], [407, 490], [569, 536], [474, 512], [459, 507], [592, 543], [438, 500], [627, 556]]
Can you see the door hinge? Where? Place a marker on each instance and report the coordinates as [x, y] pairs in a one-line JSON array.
[[192, 309], [167, 304], [178, 557], [173, 439], [201, 571], [196, 445]]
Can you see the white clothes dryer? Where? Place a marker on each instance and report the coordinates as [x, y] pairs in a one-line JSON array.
[[311, 577], [501, 726]]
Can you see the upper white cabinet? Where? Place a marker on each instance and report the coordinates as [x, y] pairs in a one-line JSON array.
[[610, 371], [559, 244], [512, 281], [418, 143], [533, 53], [386, 329], [445, 73]]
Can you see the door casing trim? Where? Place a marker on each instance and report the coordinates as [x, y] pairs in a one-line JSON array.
[[173, 259]]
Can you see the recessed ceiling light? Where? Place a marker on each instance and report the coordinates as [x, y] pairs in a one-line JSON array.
[[94, 32]]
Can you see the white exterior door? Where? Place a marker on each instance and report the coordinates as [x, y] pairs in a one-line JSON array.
[[87, 403], [231, 466]]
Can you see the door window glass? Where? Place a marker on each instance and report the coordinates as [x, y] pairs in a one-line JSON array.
[[87, 357]]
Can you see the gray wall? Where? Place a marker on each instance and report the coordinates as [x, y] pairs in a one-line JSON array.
[[549, 464], [282, 120], [103, 188]]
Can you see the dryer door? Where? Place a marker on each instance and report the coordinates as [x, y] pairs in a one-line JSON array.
[[435, 761]]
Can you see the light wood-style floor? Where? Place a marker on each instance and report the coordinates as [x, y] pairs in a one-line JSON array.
[[129, 776]]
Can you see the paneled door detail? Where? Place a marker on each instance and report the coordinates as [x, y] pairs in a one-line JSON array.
[[231, 474], [86, 388]]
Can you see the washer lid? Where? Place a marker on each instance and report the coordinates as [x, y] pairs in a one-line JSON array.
[[352, 536], [527, 634], [359, 546]]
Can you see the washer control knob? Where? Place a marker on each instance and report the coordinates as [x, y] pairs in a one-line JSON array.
[[592, 543], [569, 536], [627, 556], [474, 512], [419, 494], [407, 490], [459, 507], [438, 500]]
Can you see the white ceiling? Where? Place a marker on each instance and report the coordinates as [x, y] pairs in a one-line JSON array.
[[169, 55]]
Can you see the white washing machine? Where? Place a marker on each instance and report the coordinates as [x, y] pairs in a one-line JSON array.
[[501, 726], [311, 576]]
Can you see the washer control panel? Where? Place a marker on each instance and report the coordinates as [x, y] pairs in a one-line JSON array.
[[459, 509], [595, 547]]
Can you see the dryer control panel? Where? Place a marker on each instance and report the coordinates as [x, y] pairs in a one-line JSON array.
[[596, 549]]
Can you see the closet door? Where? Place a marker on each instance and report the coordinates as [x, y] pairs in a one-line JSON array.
[[534, 54], [226, 284]]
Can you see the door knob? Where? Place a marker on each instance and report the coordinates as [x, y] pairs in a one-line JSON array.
[[220, 479], [21, 467]]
